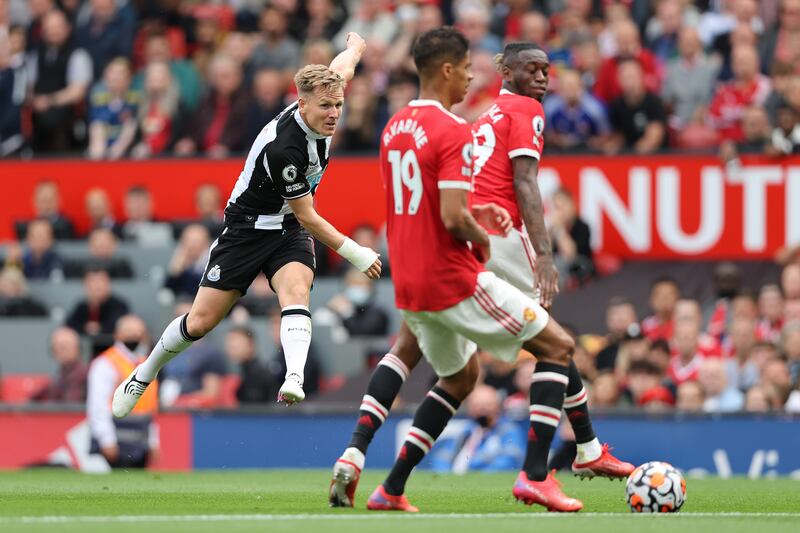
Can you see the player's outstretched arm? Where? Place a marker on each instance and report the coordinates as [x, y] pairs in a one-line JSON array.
[[345, 63], [363, 258], [460, 223], [529, 201]]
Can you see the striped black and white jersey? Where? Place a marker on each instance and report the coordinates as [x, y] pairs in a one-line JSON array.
[[286, 161]]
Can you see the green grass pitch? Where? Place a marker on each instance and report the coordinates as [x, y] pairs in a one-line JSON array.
[[295, 500]]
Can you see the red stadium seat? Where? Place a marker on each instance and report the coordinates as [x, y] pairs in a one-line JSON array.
[[20, 388]]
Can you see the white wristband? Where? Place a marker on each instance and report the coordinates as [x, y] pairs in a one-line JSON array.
[[361, 257]]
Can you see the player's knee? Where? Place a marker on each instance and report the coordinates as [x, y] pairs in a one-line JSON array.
[[200, 322]]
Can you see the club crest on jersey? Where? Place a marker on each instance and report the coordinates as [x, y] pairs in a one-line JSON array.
[[529, 314], [214, 273], [289, 173], [538, 125]]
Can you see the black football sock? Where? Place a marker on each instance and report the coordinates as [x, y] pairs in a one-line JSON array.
[[429, 422], [547, 397], [384, 385], [576, 408]]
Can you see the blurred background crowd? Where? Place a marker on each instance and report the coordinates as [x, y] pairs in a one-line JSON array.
[[148, 78], [113, 79]]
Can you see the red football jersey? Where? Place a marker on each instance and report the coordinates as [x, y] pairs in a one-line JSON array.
[[513, 127], [425, 148]]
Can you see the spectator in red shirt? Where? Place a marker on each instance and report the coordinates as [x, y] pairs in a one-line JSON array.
[[664, 295], [748, 88], [629, 46]]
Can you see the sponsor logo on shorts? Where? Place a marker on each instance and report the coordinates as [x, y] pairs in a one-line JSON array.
[[529, 314], [214, 273]]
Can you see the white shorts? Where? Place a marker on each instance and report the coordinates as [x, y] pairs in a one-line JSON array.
[[497, 317], [513, 259]]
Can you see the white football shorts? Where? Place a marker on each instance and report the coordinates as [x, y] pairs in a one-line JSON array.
[[497, 317]]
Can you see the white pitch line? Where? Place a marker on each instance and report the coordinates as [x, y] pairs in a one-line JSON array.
[[343, 517]]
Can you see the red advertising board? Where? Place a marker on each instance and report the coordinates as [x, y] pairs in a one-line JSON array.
[[668, 207], [39, 438]]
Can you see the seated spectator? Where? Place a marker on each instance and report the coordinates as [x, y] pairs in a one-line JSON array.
[[98, 209], [372, 20], [645, 386], [358, 128], [605, 391], [483, 89], [571, 241], [216, 129], [124, 442], [258, 384], [487, 442], [61, 74], [356, 308], [790, 346], [269, 99], [637, 115], [157, 49], [757, 400], [47, 206], [662, 31], [107, 33], [160, 116], [195, 378], [620, 315], [608, 86], [690, 397], [325, 19], [755, 137], [721, 397], [189, 261], [102, 255], [779, 43], [576, 120], [770, 311], [689, 82], [113, 107], [99, 310], [276, 49], [12, 98], [785, 138], [40, 259], [782, 76], [777, 380], [472, 18], [209, 208], [69, 384], [748, 88], [14, 299], [664, 295], [742, 371], [687, 356], [140, 224]]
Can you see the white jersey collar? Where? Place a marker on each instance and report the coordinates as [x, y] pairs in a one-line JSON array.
[[305, 127]]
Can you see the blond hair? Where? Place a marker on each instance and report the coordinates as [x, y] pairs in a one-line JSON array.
[[310, 77]]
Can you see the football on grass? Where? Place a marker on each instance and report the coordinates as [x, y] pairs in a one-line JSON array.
[[655, 487]]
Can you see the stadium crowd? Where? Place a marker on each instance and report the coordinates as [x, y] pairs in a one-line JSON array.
[[148, 78], [738, 351]]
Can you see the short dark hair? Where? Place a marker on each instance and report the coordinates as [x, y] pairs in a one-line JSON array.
[[511, 52], [438, 46], [669, 280]]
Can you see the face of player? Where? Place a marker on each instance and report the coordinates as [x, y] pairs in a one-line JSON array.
[[459, 79], [322, 109], [531, 74]]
